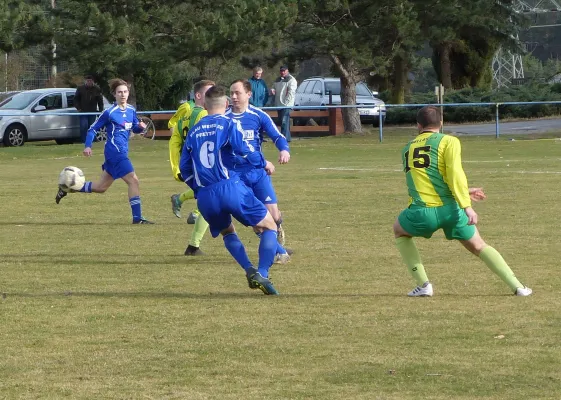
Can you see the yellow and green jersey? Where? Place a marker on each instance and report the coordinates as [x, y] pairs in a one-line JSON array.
[[183, 110], [179, 134], [432, 163]]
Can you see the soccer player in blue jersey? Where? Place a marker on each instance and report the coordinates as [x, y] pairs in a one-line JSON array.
[[254, 123], [119, 120], [220, 192]]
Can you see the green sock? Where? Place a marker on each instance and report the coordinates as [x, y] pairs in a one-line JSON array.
[[412, 258], [496, 263], [198, 232], [186, 195]]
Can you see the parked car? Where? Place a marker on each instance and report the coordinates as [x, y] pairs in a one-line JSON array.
[[26, 116], [318, 91]]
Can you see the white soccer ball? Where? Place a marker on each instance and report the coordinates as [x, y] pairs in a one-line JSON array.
[[71, 179]]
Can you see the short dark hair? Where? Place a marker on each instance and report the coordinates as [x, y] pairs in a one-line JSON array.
[[429, 117], [245, 83], [201, 84], [214, 96], [115, 83], [89, 77]]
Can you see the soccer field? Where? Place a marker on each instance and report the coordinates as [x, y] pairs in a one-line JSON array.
[[93, 307]]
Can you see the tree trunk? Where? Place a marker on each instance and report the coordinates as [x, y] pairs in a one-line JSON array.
[[351, 117], [445, 64], [349, 79], [399, 80]]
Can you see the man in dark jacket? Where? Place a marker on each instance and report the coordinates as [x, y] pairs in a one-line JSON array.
[[88, 99]]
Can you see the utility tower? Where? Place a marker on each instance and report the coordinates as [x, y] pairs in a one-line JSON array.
[[507, 66]]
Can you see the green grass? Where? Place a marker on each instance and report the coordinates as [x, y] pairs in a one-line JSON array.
[[95, 308]]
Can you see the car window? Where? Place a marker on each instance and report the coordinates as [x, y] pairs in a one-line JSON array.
[[302, 87], [362, 90], [51, 101], [334, 87], [19, 101], [317, 88], [70, 99], [309, 87]]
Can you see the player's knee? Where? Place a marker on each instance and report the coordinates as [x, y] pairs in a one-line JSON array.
[[228, 230], [397, 229]]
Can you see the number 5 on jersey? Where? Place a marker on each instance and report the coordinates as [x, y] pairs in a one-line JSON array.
[[421, 158]]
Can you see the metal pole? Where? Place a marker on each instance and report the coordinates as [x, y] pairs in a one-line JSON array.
[[53, 49], [380, 119], [6, 72], [497, 121]]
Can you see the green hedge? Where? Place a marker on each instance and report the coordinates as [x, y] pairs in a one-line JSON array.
[[460, 114]]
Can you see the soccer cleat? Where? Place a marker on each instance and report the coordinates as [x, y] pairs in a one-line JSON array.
[[422, 291], [264, 284], [60, 194], [251, 271], [282, 258], [281, 237], [193, 251], [192, 218], [523, 291], [142, 221], [289, 251], [176, 205]]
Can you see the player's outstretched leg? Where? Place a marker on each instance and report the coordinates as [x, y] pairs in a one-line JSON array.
[[496, 263]]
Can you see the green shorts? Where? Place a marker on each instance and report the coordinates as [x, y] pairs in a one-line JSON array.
[[424, 221]]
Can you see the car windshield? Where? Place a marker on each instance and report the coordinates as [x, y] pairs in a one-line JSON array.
[[19, 101], [335, 88]]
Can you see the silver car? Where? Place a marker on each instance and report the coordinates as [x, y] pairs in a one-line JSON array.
[[27, 116], [318, 91]]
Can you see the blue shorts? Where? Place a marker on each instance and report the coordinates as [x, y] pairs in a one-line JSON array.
[[229, 198], [261, 185], [117, 167]]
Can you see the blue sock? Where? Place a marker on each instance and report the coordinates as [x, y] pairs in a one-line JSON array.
[[237, 250], [267, 249], [136, 208], [280, 249], [87, 188]]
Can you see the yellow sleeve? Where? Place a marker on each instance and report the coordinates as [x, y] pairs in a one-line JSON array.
[[454, 172], [183, 110], [175, 146]]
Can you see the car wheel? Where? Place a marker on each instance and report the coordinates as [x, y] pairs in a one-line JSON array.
[[101, 135], [15, 135]]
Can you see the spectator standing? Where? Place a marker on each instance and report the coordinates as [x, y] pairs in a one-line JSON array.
[[88, 98], [259, 90], [284, 90]]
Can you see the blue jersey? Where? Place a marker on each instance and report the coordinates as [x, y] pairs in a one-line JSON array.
[[118, 124], [255, 123], [208, 147]]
